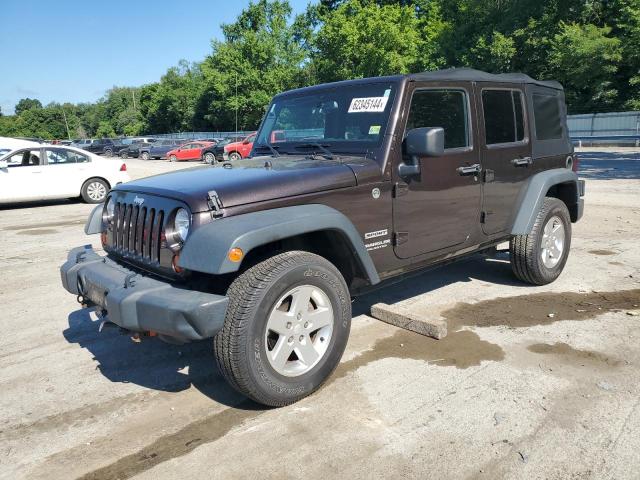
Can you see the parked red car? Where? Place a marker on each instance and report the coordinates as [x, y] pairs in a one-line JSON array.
[[238, 150], [187, 151]]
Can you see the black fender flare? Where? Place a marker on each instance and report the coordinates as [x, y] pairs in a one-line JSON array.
[[533, 195], [207, 247]]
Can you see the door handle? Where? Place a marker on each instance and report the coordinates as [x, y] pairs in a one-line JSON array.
[[470, 170], [522, 162], [37, 171]]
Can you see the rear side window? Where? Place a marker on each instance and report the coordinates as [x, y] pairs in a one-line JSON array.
[[61, 157], [503, 116], [546, 111], [442, 108]]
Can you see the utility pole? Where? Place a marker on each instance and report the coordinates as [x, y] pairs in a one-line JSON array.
[[133, 95], [66, 123], [236, 106]]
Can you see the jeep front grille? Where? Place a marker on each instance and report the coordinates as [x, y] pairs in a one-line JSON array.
[[137, 231]]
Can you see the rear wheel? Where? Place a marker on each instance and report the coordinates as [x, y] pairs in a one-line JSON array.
[[95, 190], [540, 256], [145, 156], [233, 156], [108, 152], [209, 158], [286, 328]]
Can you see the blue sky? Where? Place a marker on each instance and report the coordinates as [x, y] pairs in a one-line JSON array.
[[71, 50]]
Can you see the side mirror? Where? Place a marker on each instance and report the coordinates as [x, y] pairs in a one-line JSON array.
[[425, 142], [421, 142], [3, 164]]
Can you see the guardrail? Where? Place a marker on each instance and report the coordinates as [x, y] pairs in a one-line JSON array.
[[579, 140]]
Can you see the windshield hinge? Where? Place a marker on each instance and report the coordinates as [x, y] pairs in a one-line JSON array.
[[215, 205]]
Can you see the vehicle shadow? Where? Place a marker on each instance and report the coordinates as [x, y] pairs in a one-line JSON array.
[[609, 165], [40, 203], [493, 268], [152, 363]]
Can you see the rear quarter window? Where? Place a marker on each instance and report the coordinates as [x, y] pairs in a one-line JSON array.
[[546, 112]]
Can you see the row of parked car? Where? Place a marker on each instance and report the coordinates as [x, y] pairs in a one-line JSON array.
[[209, 150]]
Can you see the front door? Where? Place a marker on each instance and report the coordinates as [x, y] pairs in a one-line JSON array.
[[439, 208], [23, 179], [506, 153]]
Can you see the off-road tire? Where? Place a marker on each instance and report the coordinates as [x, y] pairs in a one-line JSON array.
[[240, 347], [526, 261], [91, 188]]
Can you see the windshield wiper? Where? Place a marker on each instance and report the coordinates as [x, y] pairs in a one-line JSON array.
[[323, 148], [274, 152]]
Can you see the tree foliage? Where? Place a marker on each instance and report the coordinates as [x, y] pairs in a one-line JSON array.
[[591, 46]]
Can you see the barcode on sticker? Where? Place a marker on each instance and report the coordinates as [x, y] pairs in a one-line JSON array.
[[368, 104]]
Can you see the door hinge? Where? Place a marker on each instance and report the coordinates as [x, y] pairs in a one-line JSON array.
[[400, 189], [215, 205], [400, 237], [489, 175]]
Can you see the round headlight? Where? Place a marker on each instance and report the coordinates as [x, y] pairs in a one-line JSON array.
[[181, 224], [109, 210]]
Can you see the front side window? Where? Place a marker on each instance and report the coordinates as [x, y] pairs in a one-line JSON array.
[[442, 108], [350, 118], [503, 116], [24, 158]]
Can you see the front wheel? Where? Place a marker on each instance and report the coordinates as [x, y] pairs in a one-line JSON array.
[[539, 257], [173, 158], [209, 158], [123, 155], [234, 156], [108, 152], [286, 328]]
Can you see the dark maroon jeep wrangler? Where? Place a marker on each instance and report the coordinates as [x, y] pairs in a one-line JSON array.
[[349, 184]]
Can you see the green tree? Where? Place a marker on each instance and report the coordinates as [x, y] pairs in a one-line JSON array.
[[27, 104], [258, 58], [585, 59]]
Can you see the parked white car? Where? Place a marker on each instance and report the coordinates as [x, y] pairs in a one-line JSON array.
[[35, 171]]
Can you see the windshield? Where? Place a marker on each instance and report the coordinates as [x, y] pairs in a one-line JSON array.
[[348, 118]]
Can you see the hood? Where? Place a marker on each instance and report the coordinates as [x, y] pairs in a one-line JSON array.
[[250, 181]]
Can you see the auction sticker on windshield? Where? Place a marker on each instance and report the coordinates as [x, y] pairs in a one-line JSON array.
[[368, 104]]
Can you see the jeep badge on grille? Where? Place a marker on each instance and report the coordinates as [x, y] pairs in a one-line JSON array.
[[138, 200]]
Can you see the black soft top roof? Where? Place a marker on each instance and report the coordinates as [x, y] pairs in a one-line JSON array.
[[451, 74], [471, 75]]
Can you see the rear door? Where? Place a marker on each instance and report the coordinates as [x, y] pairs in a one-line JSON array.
[[65, 172], [505, 152], [440, 208]]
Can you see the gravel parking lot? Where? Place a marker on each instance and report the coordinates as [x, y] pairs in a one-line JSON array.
[[532, 382]]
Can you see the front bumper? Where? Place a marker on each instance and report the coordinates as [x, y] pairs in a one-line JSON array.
[[140, 303]]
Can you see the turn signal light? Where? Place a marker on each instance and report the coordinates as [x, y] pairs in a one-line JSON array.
[[123, 168], [235, 255]]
